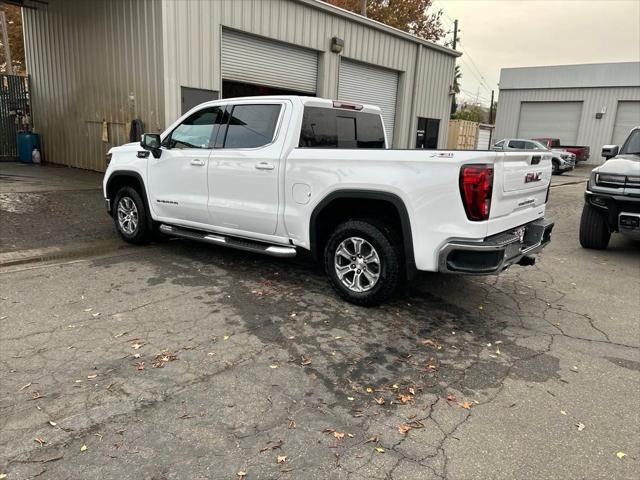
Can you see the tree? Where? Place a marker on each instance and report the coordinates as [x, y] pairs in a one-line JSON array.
[[16, 42], [457, 75], [473, 113], [412, 16]]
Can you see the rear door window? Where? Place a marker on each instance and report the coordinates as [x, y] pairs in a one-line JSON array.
[[251, 126], [336, 128], [517, 144]]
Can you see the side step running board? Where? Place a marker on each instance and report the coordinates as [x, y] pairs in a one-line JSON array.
[[237, 243]]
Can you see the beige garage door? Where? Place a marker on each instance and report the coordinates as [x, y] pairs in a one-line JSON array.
[[627, 117], [550, 120]]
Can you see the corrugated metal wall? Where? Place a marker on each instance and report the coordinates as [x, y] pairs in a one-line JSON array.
[[591, 131], [90, 61], [192, 33]]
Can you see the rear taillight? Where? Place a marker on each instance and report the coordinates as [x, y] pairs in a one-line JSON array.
[[476, 185]]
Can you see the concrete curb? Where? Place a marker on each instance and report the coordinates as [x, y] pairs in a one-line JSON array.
[[21, 257]]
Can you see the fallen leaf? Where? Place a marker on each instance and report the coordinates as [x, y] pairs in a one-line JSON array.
[[562, 412], [306, 361], [372, 440], [163, 357], [580, 426], [412, 391], [136, 355], [39, 440], [351, 399], [380, 401], [621, 455], [404, 428], [91, 377], [405, 398], [451, 398], [241, 474], [83, 448], [211, 354], [53, 424], [136, 345], [282, 458], [140, 365], [273, 366], [36, 395], [369, 390], [338, 435], [379, 449], [120, 335], [466, 405], [350, 435], [226, 337], [25, 386], [291, 424], [97, 314], [88, 309]]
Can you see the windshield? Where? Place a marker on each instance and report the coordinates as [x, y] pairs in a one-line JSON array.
[[632, 145]]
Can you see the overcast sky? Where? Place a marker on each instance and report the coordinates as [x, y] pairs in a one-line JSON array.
[[520, 33]]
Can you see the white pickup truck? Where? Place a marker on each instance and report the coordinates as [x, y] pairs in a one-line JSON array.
[[276, 175]]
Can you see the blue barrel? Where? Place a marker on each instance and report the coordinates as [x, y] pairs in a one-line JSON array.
[[26, 143]]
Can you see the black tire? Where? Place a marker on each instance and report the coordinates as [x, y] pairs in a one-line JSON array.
[[143, 232], [555, 168], [594, 231], [390, 270]]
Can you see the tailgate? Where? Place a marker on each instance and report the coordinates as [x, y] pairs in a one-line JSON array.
[[520, 189]]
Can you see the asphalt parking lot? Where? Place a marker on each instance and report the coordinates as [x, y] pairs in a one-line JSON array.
[[186, 361]]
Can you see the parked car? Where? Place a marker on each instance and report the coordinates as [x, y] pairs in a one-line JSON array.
[[582, 152], [562, 161], [612, 198], [278, 175]]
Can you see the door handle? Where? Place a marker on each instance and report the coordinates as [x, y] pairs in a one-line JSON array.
[[197, 162], [265, 166]]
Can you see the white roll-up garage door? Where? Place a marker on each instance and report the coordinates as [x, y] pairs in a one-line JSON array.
[[550, 120], [260, 61], [362, 83], [627, 117], [484, 137]]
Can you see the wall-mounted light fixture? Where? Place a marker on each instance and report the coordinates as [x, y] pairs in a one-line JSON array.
[[337, 44], [601, 113]]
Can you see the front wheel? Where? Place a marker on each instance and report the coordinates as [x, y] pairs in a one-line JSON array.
[[594, 231], [363, 260], [131, 217], [555, 168]]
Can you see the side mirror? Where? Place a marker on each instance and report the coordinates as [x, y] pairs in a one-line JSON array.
[[610, 151], [151, 142]]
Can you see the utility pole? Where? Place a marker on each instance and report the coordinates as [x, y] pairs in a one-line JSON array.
[[491, 109], [5, 42], [455, 33], [363, 8]]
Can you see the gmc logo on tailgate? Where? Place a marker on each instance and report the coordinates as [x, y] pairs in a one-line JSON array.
[[532, 177]]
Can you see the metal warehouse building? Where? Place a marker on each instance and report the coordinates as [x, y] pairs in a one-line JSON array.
[[100, 62], [591, 104]]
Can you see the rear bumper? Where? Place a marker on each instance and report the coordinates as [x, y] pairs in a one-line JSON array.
[[495, 253]]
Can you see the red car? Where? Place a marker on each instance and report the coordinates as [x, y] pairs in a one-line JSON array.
[[581, 152]]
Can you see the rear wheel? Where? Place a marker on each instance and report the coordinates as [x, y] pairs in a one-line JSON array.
[[555, 169], [594, 231], [363, 261], [131, 217]]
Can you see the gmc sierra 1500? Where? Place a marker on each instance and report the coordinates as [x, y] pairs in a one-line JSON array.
[[278, 174]]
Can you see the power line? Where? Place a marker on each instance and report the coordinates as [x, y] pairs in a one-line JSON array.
[[479, 76]]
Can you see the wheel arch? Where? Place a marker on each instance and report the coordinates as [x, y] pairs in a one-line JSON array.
[[122, 178], [390, 199]]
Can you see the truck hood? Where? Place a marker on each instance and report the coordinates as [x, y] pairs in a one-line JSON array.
[[622, 164], [127, 147]]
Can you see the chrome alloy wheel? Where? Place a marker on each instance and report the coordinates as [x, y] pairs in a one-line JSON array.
[[127, 215], [357, 264]]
